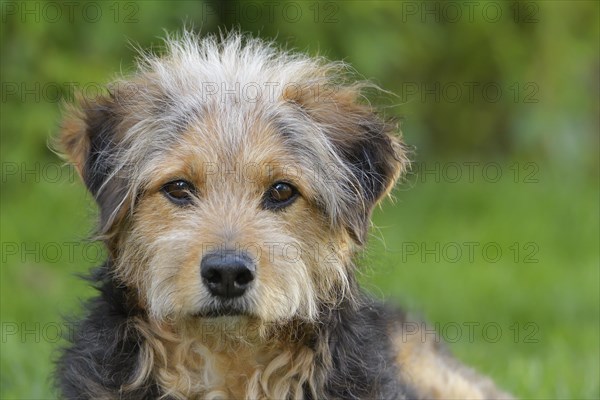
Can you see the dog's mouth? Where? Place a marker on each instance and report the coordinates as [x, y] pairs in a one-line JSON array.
[[224, 310]]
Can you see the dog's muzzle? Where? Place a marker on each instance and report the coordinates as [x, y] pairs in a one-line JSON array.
[[227, 274]]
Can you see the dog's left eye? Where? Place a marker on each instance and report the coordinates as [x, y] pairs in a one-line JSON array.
[[280, 195], [178, 192]]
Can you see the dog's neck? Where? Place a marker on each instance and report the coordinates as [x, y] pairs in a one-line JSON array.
[[236, 357]]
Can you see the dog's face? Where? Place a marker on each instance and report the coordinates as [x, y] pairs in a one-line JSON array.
[[233, 179]]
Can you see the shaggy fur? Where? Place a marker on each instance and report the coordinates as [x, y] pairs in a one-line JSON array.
[[231, 117]]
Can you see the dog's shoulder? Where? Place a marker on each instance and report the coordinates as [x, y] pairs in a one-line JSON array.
[[362, 355], [429, 368], [104, 347]]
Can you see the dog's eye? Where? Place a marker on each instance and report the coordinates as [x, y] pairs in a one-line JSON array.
[[179, 192], [280, 195]]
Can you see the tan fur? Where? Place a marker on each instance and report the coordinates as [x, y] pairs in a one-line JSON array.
[[427, 366], [73, 140], [226, 358]]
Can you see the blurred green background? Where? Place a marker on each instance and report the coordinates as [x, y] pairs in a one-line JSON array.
[[493, 237]]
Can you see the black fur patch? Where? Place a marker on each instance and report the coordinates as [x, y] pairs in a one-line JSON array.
[[104, 351], [373, 159], [374, 163], [362, 354], [101, 123]]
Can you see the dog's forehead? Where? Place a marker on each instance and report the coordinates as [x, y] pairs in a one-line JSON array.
[[232, 133], [216, 140], [236, 143]]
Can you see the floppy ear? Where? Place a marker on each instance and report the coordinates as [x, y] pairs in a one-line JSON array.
[[369, 146], [88, 133], [89, 138]]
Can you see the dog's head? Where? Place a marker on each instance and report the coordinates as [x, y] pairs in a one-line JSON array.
[[233, 178]]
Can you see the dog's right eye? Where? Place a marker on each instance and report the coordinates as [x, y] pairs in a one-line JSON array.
[[178, 192]]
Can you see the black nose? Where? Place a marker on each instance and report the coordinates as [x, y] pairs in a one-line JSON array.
[[227, 273]]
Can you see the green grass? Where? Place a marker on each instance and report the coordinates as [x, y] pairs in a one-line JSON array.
[[551, 305]]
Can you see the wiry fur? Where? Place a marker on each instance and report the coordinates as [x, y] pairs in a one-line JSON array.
[[232, 116]]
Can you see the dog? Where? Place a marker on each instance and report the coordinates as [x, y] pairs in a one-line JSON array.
[[235, 183]]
